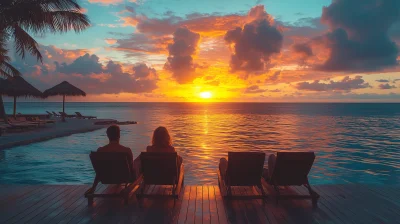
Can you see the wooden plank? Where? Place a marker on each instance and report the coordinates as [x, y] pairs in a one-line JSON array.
[[192, 205], [43, 211], [24, 198], [177, 207], [27, 204], [206, 205], [213, 205], [383, 212], [106, 208], [256, 205], [11, 193], [198, 217], [236, 212], [298, 210], [355, 208], [185, 205], [382, 193], [66, 204], [335, 206], [251, 213], [79, 208], [51, 215], [222, 213], [280, 214], [317, 213]]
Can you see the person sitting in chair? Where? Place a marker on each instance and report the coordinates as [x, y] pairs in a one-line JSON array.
[[161, 142], [114, 134]]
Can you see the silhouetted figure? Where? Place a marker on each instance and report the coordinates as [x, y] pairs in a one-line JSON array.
[[161, 142], [114, 134]]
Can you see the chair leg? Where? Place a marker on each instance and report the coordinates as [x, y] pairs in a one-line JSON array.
[[229, 190], [92, 190], [277, 193], [264, 195], [314, 195]]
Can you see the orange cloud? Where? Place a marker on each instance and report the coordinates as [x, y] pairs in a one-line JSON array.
[[106, 2], [110, 41], [83, 10]]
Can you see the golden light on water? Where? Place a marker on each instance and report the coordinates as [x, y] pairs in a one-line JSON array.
[[206, 95]]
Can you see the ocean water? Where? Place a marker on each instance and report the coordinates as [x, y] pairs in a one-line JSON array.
[[354, 143]]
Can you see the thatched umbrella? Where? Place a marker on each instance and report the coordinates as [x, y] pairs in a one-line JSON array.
[[64, 89], [17, 87]]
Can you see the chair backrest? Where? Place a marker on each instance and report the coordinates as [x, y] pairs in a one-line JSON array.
[[159, 168], [245, 168], [112, 167], [292, 168]]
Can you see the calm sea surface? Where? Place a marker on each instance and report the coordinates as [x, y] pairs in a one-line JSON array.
[[354, 143]]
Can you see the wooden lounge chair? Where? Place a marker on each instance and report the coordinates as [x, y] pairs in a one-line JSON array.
[[62, 114], [244, 169], [79, 115], [114, 168], [161, 168], [46, 121], [22, 123], [55, 114], [291, 169], [50, 114]]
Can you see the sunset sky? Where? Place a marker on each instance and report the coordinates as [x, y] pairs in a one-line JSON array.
[[264, 50]]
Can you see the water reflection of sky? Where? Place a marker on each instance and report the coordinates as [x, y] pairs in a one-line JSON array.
[[358, 144]]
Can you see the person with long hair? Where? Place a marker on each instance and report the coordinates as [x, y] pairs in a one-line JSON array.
[[162, 142]]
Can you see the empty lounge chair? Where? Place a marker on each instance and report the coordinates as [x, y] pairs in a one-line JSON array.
[[79, 115], [161, 168], [55, 114], [241, 169], [46, 121], [22, 122], [114, 168], [62, 114], [290, 169]]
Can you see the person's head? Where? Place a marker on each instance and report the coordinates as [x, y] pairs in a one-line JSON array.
[[161, 137], [113, 133]]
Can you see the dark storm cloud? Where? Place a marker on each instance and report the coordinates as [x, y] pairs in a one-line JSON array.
[[255, 43], [303, 49], [387, 86], [84, 65], [359, 39], [88, 73], [180, 60], [346, 84]]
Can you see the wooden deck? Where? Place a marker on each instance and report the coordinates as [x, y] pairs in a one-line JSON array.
[[198, 204]]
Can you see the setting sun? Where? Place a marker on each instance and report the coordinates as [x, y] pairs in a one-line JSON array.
[[206, 95]]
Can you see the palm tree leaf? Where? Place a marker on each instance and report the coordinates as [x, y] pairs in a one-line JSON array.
[[56, 5], [24, 42], [63, 21], [7, 70]]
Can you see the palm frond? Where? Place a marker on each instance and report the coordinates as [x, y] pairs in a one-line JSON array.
[[63, 21], [7, 70], [24, 42], [57, 5]]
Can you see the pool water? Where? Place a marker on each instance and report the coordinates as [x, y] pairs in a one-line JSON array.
[[354, 143]]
